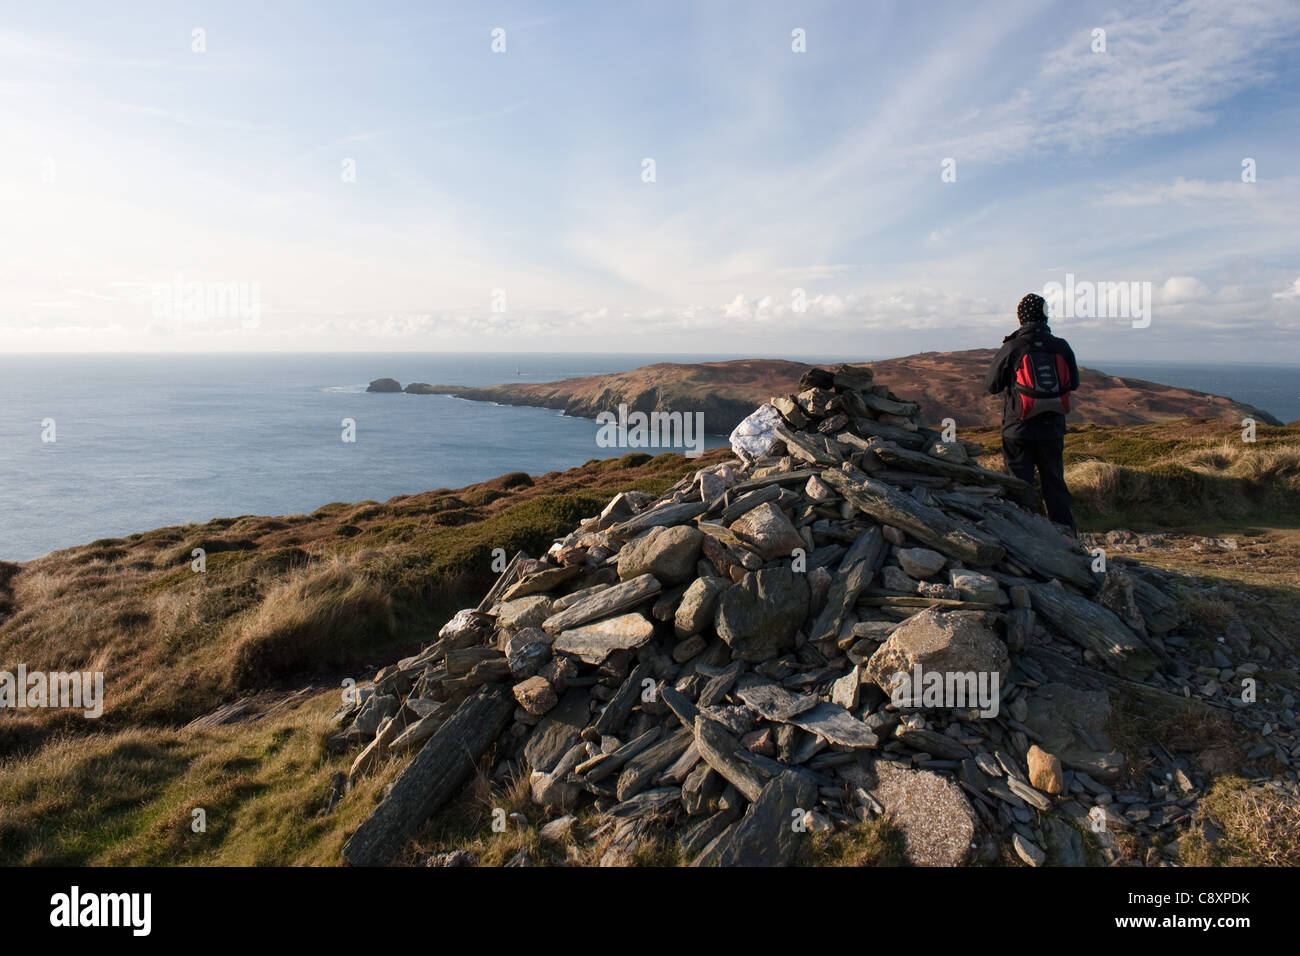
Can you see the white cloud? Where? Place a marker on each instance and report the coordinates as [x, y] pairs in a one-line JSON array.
[[1166, 69], [1292, 294], [1185, 191], [1178, 289]]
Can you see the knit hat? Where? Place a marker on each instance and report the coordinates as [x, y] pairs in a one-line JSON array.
[[1032, 308]]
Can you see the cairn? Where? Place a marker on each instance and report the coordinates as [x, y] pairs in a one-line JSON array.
[[851, 619]]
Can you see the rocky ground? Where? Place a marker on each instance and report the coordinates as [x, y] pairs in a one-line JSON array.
[[717, 670]]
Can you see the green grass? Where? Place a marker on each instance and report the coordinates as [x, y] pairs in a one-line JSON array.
[[875, 842], [129, 797]]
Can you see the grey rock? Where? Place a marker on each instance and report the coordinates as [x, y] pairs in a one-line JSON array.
[[376, 709], [524, 612], [557, 830], [558, 731], [593, 643], [1027, 851], [894, 578], [667, 553], [1063, 842], [766, 835], [1071, 723], [934, 817], [768, 531], [973, 586], [759, 617], [954, 641], [698, 604], [921, 562]]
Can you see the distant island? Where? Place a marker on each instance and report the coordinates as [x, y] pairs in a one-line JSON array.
[[947, 384]]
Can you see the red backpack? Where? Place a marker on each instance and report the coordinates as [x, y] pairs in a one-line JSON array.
[[1043, 383]]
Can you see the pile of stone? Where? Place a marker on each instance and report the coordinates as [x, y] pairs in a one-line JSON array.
[[737, 664]]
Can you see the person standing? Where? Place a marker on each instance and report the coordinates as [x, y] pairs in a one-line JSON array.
[[1036, 372]]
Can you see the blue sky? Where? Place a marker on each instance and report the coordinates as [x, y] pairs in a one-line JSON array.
[[499, 199]]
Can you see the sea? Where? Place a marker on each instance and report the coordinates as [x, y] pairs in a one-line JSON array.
[[143, 441]]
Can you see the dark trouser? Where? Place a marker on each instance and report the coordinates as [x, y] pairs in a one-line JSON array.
[[1023, 455]]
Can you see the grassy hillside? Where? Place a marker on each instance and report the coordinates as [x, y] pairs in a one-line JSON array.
[[347, 586], [295, 603], [1194, 473]]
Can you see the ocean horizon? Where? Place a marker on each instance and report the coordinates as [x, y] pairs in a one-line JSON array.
[[144, 440]]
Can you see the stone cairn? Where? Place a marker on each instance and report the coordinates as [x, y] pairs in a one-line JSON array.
[[724, 661]]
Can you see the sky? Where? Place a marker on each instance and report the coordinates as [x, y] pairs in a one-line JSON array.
[[751, 178]]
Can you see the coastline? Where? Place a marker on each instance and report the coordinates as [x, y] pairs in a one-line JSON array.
[[947, 385]]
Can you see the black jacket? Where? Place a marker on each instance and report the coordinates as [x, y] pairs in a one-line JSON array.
[[1002, 374]]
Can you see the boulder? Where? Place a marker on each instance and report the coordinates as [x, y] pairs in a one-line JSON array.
[[466, 627], [524, 612], [768, 531], [384, 385], [535, 695], [931, 813], [374, 712], [558, 731], [557, 830], [759, 617], [670, 554], [696, 610], [947, 642], [755, 436], [528, 657]]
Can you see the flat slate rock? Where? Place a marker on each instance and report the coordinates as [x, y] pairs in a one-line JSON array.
[[807, 712], [837, 725], [764, 836], [604, 603], [540, 582], [558, 731], [772, 700], [648, 802], [592, 643]]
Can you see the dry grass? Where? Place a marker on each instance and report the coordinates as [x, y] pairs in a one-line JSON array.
[[316, 617], [1259, 826], [1186, 473], [1210, 615], [1171, 475]]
